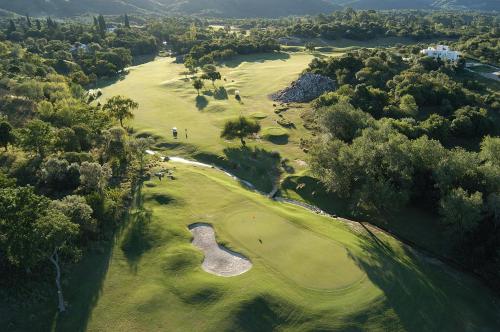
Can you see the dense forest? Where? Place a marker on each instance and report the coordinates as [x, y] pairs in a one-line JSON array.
[[400, 130], [69, 168]]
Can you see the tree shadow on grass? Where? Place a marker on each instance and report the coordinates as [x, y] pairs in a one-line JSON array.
[[142, 59], [278, 140], [138, 238], [425, 295], [201, 102], [220, 93], [85, 282], [141, 235], [266, 313], [177, 147], [108, 81], [258, 166], [312, 191], [162, 199], [256, 58]]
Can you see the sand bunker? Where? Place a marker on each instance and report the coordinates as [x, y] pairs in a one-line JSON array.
[[218, 260]]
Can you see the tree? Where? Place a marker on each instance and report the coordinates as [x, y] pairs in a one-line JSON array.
[[343, 121], [28, 21], [101, 25], [139, 147], [379, 160], [31, 89], [436, 126], [210, 73], [120, 108], [408, 105], [78, 211], [310, 47], [66, 140], [198, 85], [461, 210], [93, 177], [471, 122], [32, 232], [6, 134], [127, 22], [12, 27], [190, 64], [37, 136], [240, 128], [57, 231], [490, 150]]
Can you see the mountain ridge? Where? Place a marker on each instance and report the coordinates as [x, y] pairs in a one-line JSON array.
[[227, 8]]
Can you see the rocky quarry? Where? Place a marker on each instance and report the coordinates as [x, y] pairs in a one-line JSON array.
[[308, 87]]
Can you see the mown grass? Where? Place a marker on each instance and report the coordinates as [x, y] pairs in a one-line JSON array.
[[310, 273], [167, 99]]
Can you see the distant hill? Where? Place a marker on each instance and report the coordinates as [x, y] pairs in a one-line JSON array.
[[421, 4], [228, 8]]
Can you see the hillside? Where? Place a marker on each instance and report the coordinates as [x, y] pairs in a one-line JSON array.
[[232, 8], [228, 8], [421, 4]]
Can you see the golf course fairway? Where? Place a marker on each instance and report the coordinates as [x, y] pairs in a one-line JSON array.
[[167, 99], [310, 272]]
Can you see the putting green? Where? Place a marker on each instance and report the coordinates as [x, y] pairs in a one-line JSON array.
[[298, 254]]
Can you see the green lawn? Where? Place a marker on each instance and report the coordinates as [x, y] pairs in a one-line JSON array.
[[309, 272], [167, 99]]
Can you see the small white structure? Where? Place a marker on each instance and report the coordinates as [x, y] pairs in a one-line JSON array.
[[443, 52], [79, 46]]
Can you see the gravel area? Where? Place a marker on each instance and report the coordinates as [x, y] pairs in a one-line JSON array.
[[218, 260]]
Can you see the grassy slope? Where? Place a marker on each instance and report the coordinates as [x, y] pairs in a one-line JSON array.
[[167, 99], [361, 280]]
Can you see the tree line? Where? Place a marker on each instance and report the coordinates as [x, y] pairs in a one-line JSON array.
[[67, 171], [405, 130]]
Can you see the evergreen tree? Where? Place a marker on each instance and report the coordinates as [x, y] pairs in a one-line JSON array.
[[12, 26], [102, 25], [6, 135], [28, 21], [127, 22]]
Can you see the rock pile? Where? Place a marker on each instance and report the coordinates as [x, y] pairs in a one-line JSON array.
[[306, 88]]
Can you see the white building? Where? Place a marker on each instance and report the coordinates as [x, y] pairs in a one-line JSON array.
[[78, 46], [441, 51]]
